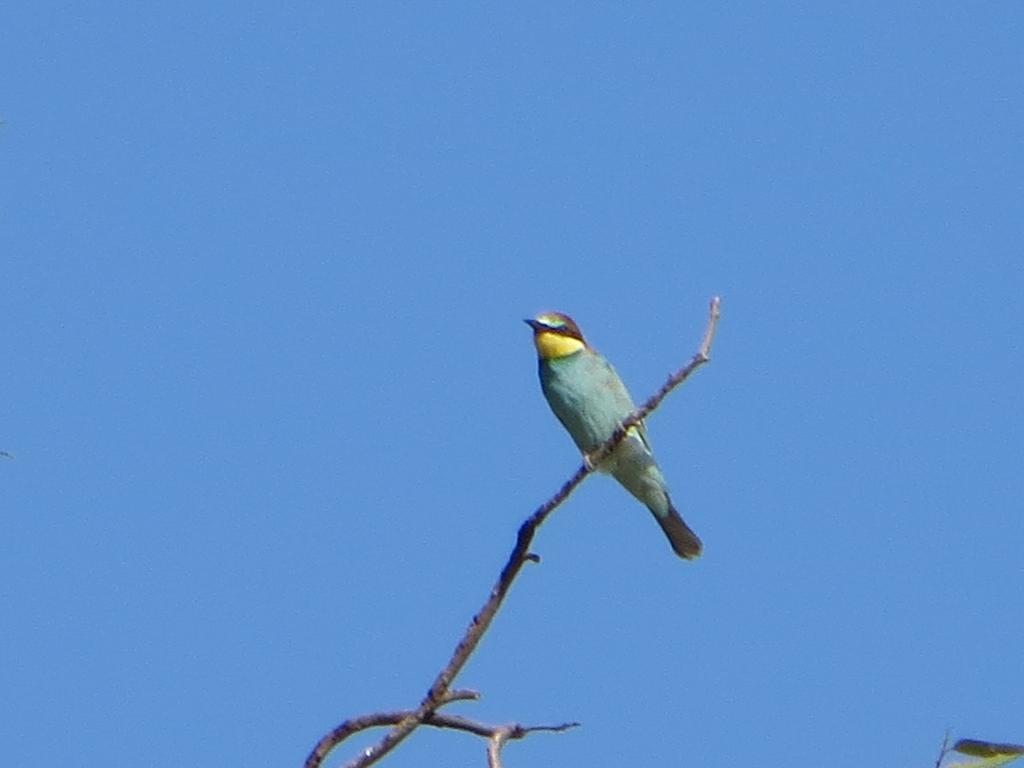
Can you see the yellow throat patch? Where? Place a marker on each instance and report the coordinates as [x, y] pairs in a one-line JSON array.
[[554, 345]]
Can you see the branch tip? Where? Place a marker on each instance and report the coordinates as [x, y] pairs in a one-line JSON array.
[[461, 694], [714, 312]]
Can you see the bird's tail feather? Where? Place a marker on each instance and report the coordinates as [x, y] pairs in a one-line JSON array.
[[684, 541]]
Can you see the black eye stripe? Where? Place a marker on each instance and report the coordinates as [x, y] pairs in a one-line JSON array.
[[563, 325]]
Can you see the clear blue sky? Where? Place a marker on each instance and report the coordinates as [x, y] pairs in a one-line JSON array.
[[275, 415]]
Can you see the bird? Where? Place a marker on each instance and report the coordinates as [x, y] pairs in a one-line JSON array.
[[590, 400]]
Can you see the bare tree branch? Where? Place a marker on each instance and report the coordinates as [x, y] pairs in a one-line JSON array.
[[497, 741], [438, 692], [356, 724], [438, 720]]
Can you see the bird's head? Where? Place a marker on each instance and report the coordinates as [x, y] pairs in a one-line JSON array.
[[556, 335]]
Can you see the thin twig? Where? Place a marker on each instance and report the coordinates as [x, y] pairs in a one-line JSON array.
[[703, 355], [944, 751], [520, 555], [509, 732]]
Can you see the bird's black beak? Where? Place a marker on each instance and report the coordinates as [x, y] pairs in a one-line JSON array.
[[537, 326]]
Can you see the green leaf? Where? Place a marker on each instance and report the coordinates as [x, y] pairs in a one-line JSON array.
[[977, 748], [992, 754]]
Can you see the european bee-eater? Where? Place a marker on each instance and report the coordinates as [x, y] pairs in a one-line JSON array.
[[591, 401]]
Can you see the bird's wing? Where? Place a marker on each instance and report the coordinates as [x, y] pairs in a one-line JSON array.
[[613, 382], [641, 430]]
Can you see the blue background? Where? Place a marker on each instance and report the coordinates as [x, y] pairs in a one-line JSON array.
[[275, 415]]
